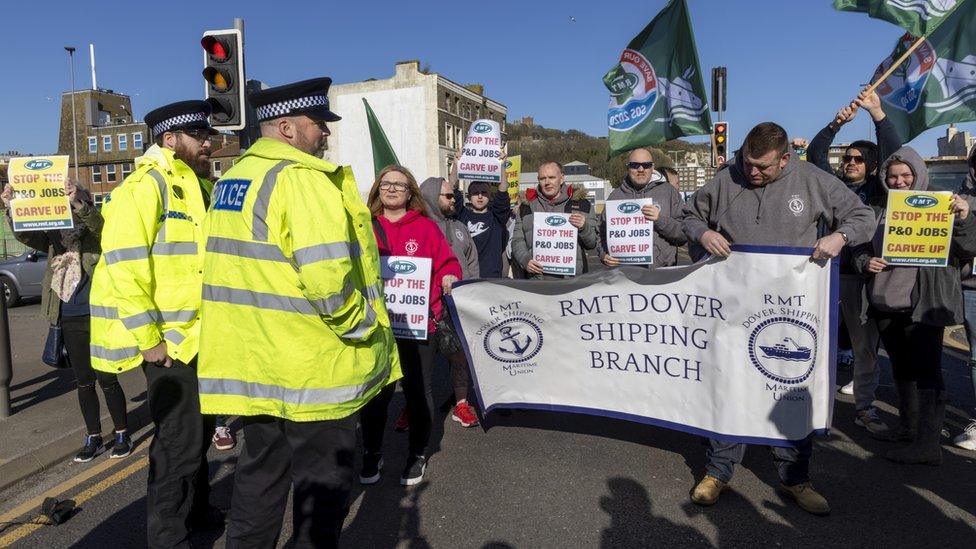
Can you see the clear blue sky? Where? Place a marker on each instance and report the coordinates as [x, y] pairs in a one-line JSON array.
[[789, 61]]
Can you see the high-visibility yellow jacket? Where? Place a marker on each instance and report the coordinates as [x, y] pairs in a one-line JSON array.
[[294, 323], [146, 286]]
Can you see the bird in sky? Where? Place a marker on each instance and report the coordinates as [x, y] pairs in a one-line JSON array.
[[572, 19]]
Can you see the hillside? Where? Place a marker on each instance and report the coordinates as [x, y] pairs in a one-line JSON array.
[[537, 144]]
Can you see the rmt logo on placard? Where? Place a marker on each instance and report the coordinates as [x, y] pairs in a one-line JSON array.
[[628, 207], [403, 267], [921, 201], [482, 127], [38, 164], [555, 221]]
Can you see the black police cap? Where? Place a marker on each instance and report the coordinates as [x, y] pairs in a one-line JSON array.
[[308, 97], [184, 115]]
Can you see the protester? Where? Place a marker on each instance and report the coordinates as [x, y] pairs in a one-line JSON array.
[[403, 226], [672, 176], [486, 216], [295, 336], [71, 258], [768, 197], [912, 307], [859, 171], [145, 303], [553, 195], [967, 439], [666, 207], [439, 196]]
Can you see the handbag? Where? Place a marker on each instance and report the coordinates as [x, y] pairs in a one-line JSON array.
[[55, 354], [445, 338]]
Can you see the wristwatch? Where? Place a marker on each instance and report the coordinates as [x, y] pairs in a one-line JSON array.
[[844, 236]]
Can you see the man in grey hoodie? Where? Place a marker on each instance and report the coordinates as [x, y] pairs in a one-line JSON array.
[[552, 196], [438, 193], [768, 197], [667, 205]]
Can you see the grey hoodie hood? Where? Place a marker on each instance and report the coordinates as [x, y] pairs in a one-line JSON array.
[[456, 232], [892, 289]]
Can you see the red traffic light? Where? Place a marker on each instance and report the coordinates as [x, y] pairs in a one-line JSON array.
[[216, 48], [720, 128]]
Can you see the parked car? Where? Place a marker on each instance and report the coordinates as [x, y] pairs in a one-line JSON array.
[[21, 276]]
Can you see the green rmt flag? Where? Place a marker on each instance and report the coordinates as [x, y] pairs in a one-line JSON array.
[[937, 84], [656, 90], [919, 17], [383, 154]]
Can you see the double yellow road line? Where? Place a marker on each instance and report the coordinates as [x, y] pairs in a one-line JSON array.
[[66, 487]]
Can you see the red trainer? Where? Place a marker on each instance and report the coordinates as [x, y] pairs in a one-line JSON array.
[[464, 414], [402, 422]]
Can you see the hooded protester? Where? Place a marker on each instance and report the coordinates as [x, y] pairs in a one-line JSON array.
[[438, 194], [72, 256], [967, 439], [643, 182], [912, 306], [553, 196]]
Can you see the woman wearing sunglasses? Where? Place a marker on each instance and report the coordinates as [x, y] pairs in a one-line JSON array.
[[403, 227]]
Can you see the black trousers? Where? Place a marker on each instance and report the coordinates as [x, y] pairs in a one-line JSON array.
[[915, 349], [417, 362], [76, 331], [316, 457], [179, 484]]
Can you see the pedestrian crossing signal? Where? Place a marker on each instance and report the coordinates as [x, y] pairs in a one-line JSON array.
[[223, 70]]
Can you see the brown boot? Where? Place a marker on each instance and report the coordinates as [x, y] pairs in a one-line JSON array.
[[927, 447], [807, 498], [708, 490]]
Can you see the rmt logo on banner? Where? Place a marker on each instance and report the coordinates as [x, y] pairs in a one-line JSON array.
[[512, 337]]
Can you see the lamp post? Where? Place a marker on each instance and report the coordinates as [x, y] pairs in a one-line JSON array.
[[74, 120]]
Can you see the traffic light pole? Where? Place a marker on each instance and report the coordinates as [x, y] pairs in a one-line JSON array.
[[6, 364]]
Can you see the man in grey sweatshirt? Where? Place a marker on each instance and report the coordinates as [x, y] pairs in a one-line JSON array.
[[438, 193], [664, 212], [552, 196], [768, 197]]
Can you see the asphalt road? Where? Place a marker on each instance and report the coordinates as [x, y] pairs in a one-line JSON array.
[[538, 479]]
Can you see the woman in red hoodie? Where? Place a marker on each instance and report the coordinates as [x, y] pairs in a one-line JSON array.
[[402, 228]]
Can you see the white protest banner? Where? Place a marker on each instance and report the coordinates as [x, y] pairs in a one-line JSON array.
[[554, 243], [679, 347], [406, 285], [630, 236], [40, 202], [482, 153]]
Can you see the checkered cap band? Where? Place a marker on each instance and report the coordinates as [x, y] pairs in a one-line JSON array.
[[165, 125], [282, 108]]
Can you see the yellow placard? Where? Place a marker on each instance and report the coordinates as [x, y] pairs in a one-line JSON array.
[[918, 228], [513, 166], [40, 202]]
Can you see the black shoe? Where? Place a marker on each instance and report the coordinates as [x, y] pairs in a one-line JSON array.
[[413, 473], [211, 518], [122, 446], [93, 447], [372, 465]]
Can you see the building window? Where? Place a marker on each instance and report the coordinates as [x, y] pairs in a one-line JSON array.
[[457, 108], [216, 168], [447, 102], [458, 138], [448, 135], [110, 173], [92, 145], [137, 141], [96, 174], [107, 143], [99, 199], [123, 142], [126, 169]]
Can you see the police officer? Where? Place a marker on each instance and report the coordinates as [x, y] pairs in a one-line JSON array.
[[295, 336], [145, 302]]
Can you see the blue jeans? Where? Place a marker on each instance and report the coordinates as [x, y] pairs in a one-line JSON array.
[[792, 463], [969, 306]]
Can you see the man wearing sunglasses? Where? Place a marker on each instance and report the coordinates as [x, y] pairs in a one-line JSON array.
[[859, 171], [643, 181], [145, 303]]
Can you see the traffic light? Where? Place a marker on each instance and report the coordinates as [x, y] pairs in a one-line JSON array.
[[223, 62], [720, 144]]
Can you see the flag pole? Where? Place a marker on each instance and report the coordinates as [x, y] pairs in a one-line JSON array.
[[894, 66]]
